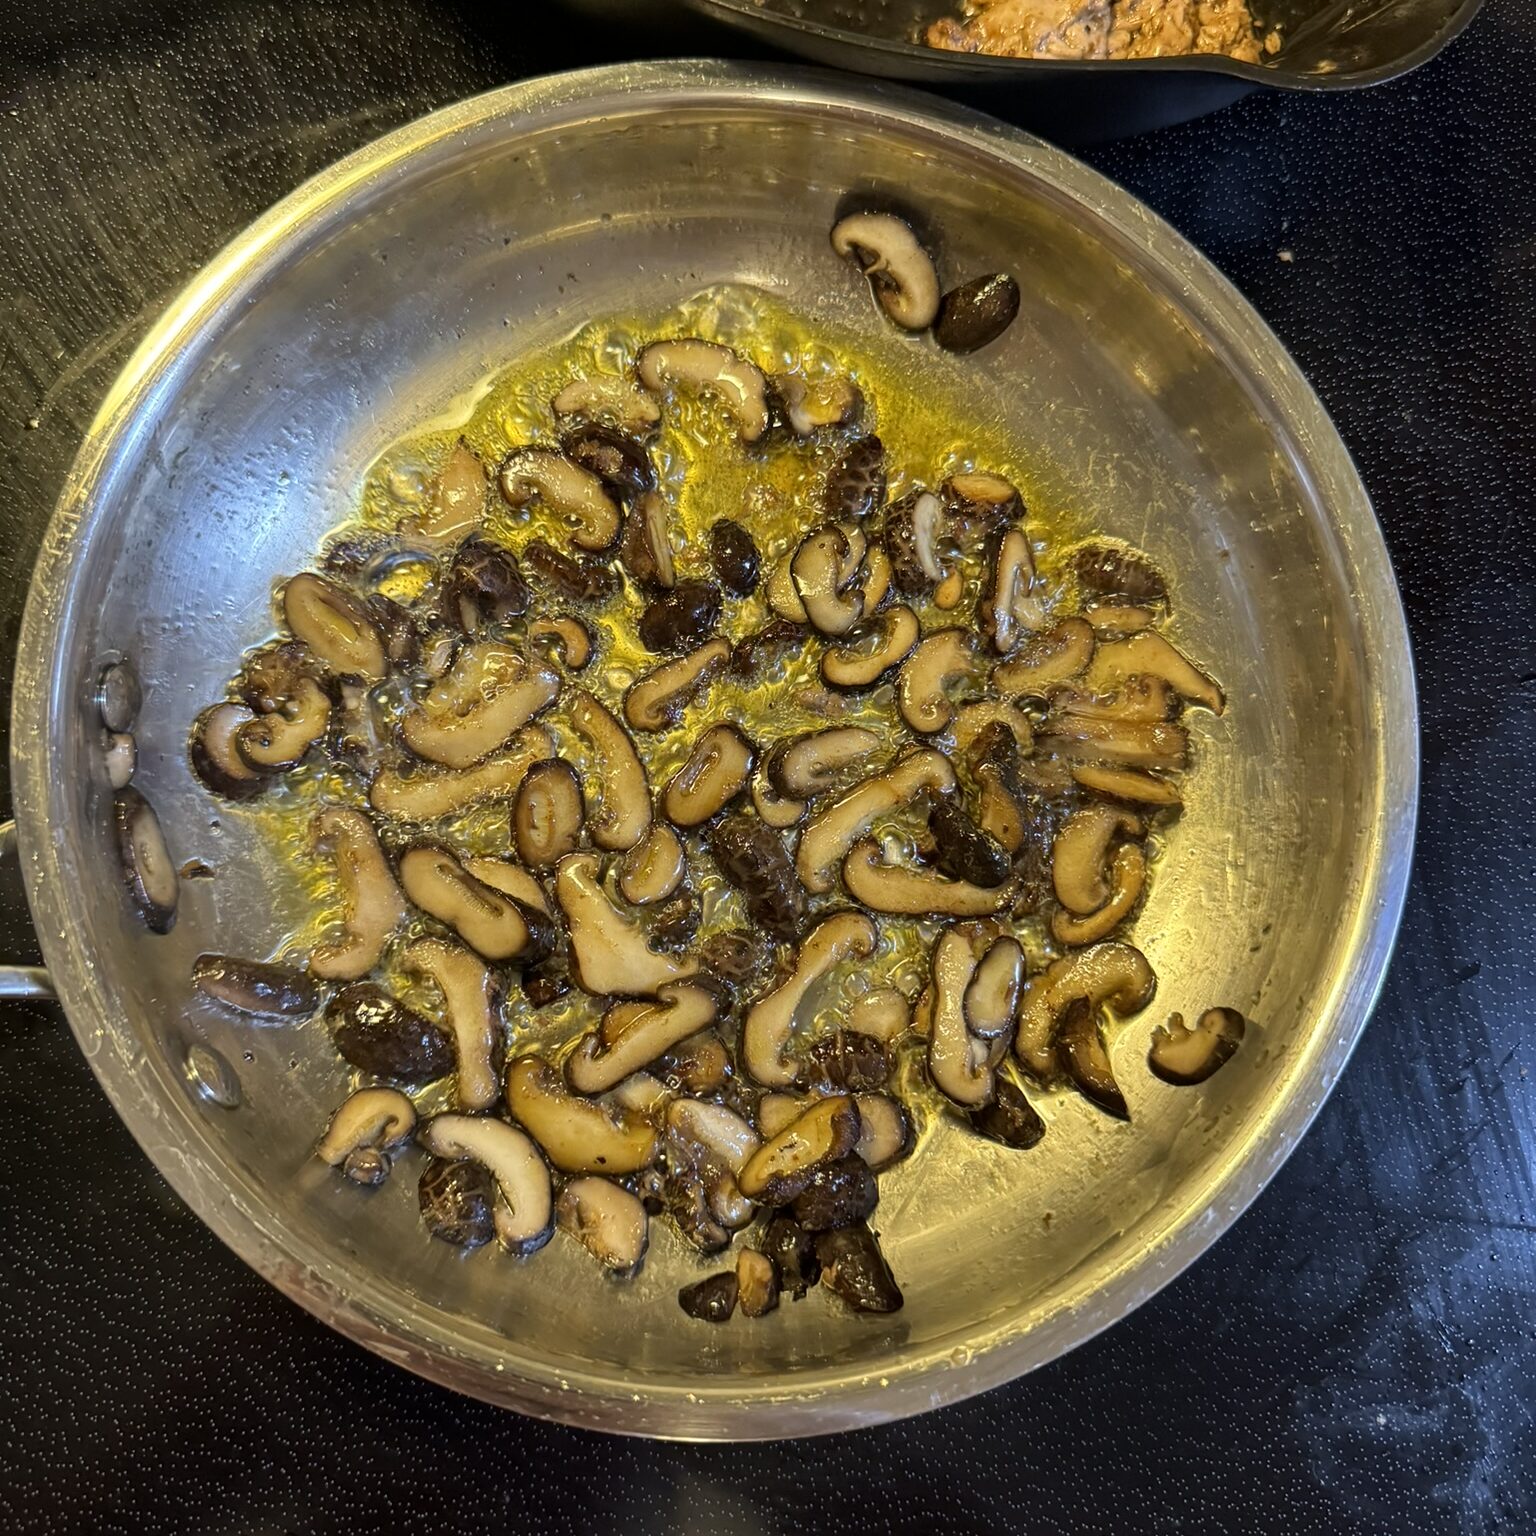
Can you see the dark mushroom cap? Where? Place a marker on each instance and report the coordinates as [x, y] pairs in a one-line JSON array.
[[457, 1201], [854, 1269], [838, 1195], [378, 1034], [710, 1300]]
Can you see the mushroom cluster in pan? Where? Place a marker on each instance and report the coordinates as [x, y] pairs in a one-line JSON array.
[[693, 897]]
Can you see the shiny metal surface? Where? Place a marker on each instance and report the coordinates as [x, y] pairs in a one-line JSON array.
[[377, 295]]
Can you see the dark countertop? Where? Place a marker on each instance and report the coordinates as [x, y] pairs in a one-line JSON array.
[[1359, 1354]]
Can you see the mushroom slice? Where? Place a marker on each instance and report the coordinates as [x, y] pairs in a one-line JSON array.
[[213, 755], [701, 1064], [616, 458], [569, 638], [907, 892], [992, 998], [899, 270], [866, 654], [877, 577], [777, 1110], [469, 996], [623, 815], [964, 850], [856, 482], [148, 871], [575, 1134], [547, 814], [1115, 570], [1010, 1118], [1127, 784], [525, 1207], [752, 857], [604, 397], [255, 986], [572, 493], [809, 765], [817, 570], [653, 868], [832, 831], [371, 900], [958, 1069], [915, 528], [1123, 743], [609, 953], [646, 547], [781, 1168], [511, 880], [1148, 654], [375, 1118], [491, 923], [712, 1299], [482, 586], [429, 794], [757, 1283], [1138, 700], [809, 404], [336, 626], [770, 1021], [1048, 660], [884, 1014], [1127, 877], [1080, 855], [458, 498], [1117, 621], [976, 313], [633, 1035], [608, 1221], [1114, 974], [379, 1035], [885, 1130], [706, 367], [717, 770], [982, 502], [943, 658], [1082, 1056], [274, 742], [1012, 604], [972, 719], [716, 1128], [491, 691], [772, 807], [855, 1270], [1185, 1056], [657, 699], [783, 598]]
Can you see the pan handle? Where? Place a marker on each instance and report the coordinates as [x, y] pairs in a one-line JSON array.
[[19, 981]]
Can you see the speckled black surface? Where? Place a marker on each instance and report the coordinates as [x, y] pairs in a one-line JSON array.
[[1357, 1355]]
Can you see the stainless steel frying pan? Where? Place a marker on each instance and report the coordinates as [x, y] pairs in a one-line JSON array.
[[1152, 396]]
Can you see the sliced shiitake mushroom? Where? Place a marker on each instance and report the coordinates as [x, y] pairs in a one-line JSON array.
[[706, 367], [492, 690], [760, 654], [623, 814], [1012, 605], [810, 764], [119, 695], [1046, 661], [810, 404], [845, 1062], [276, 742], [757, 1283], [1184, 1056], [681, 617], [752, 857], [336, 626], [1080, 855], [482, 585], [657, 699], [620, 462], [792, 1251], [856, 482], [1078, 737], [899, 270], [770, 1021], [1082, 1057], [474, 1021], [837, 1195], [713, 1128], [855, 1270], [783, 598], [832, 831], [712, 1299], [494, 925], [609, 952], [937, 662], [916, 532], [973, 719], [376, 1033], [372, 904], [654, 868], [457, 1200], [1114, 974], [576, 1134], [958, 1068], [1127, 879], [604, 397], [734, 555], [976, 313], [547, 814], [578, 581], [771, 806], [1148, 654], [458, 498], [255, 986], [1115, 570], [1127, 784], [699, 1064], [1116, 621], [717, 770], [781, 1168], [429, 794], [148, 870], [214, 758], [871, 649], [886, 1133], [634, 1034], [819, 570], [964, 850], [646, 547], [882, 1013], [908, 892], [511, 879], [375, 1118], [1010, 1118], [524, 1208], [572, 493], [569, 638], [608, 1221], [992, 997]]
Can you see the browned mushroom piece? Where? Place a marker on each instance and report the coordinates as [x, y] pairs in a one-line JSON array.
[[376, 1033], [1012, 607], [1112, 974], [712, 1299], [917, 538], [275, 742], [633, 1034], [734, 555], [976, 313], [1117, 571], [511, 879], [1118, 621], [547, 814], [609, 952], [256, 987], [810, 404], [957, 1063], [1010, 1118], [471, 1003], [482, 585], [716, 772], [577, 1135], [1083, 1058], [336, 626], [680, 618], [781, 1168], [429, 794], [1046, 661], [899, 270], [491, 691], [568, 638], [882, 886], [882, 1013], [772, 807], [213, 755], [654, 868], [696, 367], [578, 581], [845, 1062], [376, 1119], [1148, 654], [458, 497], [752, 857], [937, 662], [856, 482], [1081, 736], [607, 1220], [869, 650], [757, 1283], [619, 402], [855, 1270], [699, 1064], [616, 458], [494, 925], [1127, 880], [1185, 1055], [623, 813], [992, 998], [782, 595], [456, 1200], [574, 494], [819, 570], [838, 1195], [1128, 784], [372, 903], [658, 698], [524, 1210], [802, 767], [964, 850], [1080, 855]]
